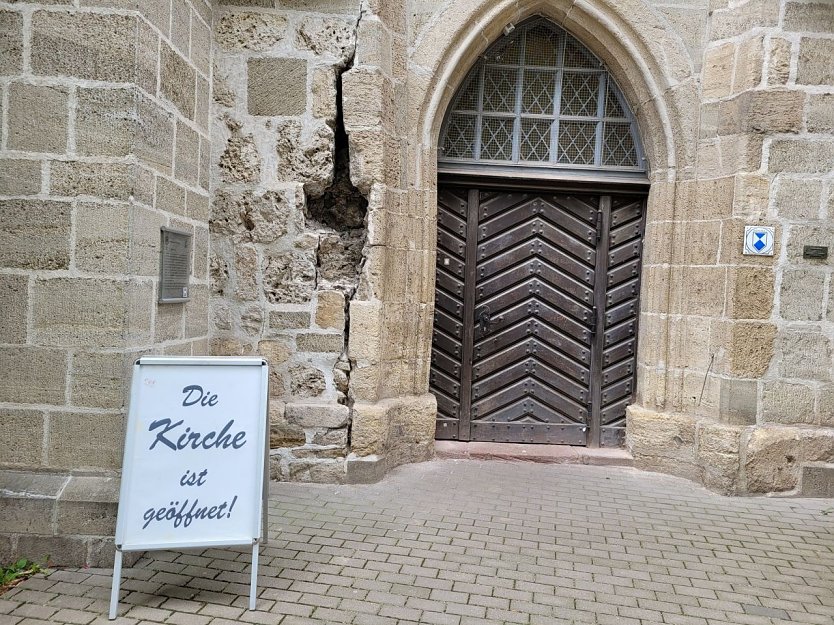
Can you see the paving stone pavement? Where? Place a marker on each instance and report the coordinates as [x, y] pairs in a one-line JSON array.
[[466, 542]]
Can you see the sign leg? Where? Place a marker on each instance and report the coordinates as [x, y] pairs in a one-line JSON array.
[[253, 586], [117, 582]]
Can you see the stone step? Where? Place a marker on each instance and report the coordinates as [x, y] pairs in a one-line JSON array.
[[816, 480], [554, 454]]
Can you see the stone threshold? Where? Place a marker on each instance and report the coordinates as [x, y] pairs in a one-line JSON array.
[[552, 454]]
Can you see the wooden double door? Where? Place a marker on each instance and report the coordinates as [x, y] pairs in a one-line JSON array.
[[536, 308]]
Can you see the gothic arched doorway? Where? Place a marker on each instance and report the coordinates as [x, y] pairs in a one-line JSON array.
[[541, 205]]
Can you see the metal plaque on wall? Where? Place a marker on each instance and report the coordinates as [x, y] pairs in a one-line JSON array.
[[174, 266]]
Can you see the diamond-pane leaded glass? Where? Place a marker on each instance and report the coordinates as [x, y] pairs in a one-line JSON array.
[[577, 141], [497, 138], [468, 95], [537, 91], [499, 90], [535, 139], [579, 94], [539, 97], [618, 145], [460, 136]]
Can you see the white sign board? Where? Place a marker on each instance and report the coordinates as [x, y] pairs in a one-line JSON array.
[[194, 459], [759, 240]]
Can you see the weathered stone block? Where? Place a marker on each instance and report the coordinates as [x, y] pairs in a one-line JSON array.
[[61, 550], [14, 304], [817, 480], [88, 506], [80, 440], [277, 87], [787, 403], [801, 156], [20, 177], [79, 312], [751, 293], [814, 66], [821, 112], [718, 454], [177, 81], [154, 141], [306, 157], [246, 273], [738, 19], [180, 25], [306, 381], [35, 234], [94, 46], [289, 277], [250, 31], [798, 198], [805, 355], [749, 64], [240, 161], [772, 459], [253, 217], [701, 289], [187, 155], [369, 428], [33, 375], [317, 414], [365, 470], [168, 322], [801, 295], [815, 17], [11, 53], [37, 118], [105, 121], [26, 515], [337, 437], [327, 37], [102, 180], [779, 62], [102, 239], [197, 312], [21, 437], [330, 310], [289, 320], [317, 471], [317, 342], [732, 244], [751, 348], [718, 71], [324, 93], [97, 380]]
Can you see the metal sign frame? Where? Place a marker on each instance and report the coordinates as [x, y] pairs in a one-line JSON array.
[[259, 528]]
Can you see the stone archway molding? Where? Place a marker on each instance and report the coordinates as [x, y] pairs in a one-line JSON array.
[[650, 64]]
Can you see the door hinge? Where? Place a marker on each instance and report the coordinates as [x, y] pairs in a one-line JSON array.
[[594, 320]]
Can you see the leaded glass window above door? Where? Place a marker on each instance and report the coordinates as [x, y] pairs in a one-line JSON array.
[[539, 99]]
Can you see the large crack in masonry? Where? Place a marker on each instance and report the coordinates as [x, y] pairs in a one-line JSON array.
[[339, 214]]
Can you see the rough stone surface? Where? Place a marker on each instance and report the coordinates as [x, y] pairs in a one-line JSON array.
[[20, 177], [814, 67], [327, 37], [306, 157], [250, 31], [251, 217], [772, 460], [240, 161], [306, 381], [317, 415], [751, 348], [805, 355], [37, 118], [289, 277], [277, 87], [35, 234], [330, 310]]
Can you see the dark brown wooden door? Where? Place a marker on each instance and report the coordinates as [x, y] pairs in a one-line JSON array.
[[529, 344]]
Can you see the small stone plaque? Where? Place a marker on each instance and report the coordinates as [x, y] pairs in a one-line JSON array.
[[759, 240], [174, 266], [817, 252]]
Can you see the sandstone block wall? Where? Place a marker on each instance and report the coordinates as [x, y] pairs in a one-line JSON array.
[[307, 206], [104, 140]]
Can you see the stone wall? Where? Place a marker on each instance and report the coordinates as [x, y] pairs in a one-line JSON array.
[[307, 178], [104, 140]]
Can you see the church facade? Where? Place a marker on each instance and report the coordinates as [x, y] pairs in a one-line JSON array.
[[582, 222]]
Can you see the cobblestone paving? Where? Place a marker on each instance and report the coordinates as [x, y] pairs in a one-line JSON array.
[[481, 543]]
